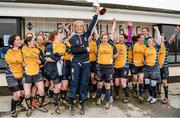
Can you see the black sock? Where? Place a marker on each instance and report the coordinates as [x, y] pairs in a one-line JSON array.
[[37, 97], [28, 102], [158, 88], [99, 92], [141, 89], [134, 87], [126, 91], [103, 90], [154, 91], [116, 88], [94, 87], [13, 104], [166, 91], [63, 94], [46, 88], [20, 100], [148, 87], [150, 91], [107, 96], [41, 100], [55, 96], [82, 104], [111, 91], [51, 93]]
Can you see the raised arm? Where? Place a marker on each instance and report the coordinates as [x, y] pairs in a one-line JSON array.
[[96, 35], [124, 29], [69, 37], [130, 26], [176, 30], [113, 29], [157, 35], [92, 25], [66, 28]]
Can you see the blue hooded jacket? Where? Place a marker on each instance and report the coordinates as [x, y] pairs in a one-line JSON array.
[[79, 43]]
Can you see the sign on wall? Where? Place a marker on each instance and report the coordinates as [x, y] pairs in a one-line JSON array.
[[6, 39], [29, 26]]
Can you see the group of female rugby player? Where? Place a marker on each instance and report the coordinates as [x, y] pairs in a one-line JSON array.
[[86, 63]]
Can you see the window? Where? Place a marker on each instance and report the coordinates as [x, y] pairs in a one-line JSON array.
[[8, 26], [174, 53], [100, 28], [138, 30], [121, 29], [107, 28], [97, 28]]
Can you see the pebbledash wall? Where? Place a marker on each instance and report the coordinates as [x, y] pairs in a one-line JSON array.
[[29, 17]]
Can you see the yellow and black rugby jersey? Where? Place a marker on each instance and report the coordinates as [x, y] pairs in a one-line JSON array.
[[130, 55], [162, 54], [14, 62], [30, 56], [150, 56], [67, 55], [41, 47], [105, 54], [122, 59], [59, 48], [138, 54], [92, 52]]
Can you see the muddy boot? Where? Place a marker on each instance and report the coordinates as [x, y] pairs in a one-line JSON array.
[[72, 108], [29, 112], [108, 105], [13, 113], [82, 111]]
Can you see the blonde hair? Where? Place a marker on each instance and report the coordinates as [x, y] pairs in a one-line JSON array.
[[76, 22], [29, 33], [153, 40]]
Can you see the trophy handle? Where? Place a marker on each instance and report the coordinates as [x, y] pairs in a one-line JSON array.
[[101, 10]]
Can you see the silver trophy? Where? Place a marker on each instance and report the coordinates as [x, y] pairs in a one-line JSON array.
[[101, 10]]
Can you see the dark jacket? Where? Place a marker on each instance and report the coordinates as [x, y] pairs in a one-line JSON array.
[[79, 43]]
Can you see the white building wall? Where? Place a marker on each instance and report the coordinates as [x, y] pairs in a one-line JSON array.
[[78, 12], [161, 4]]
